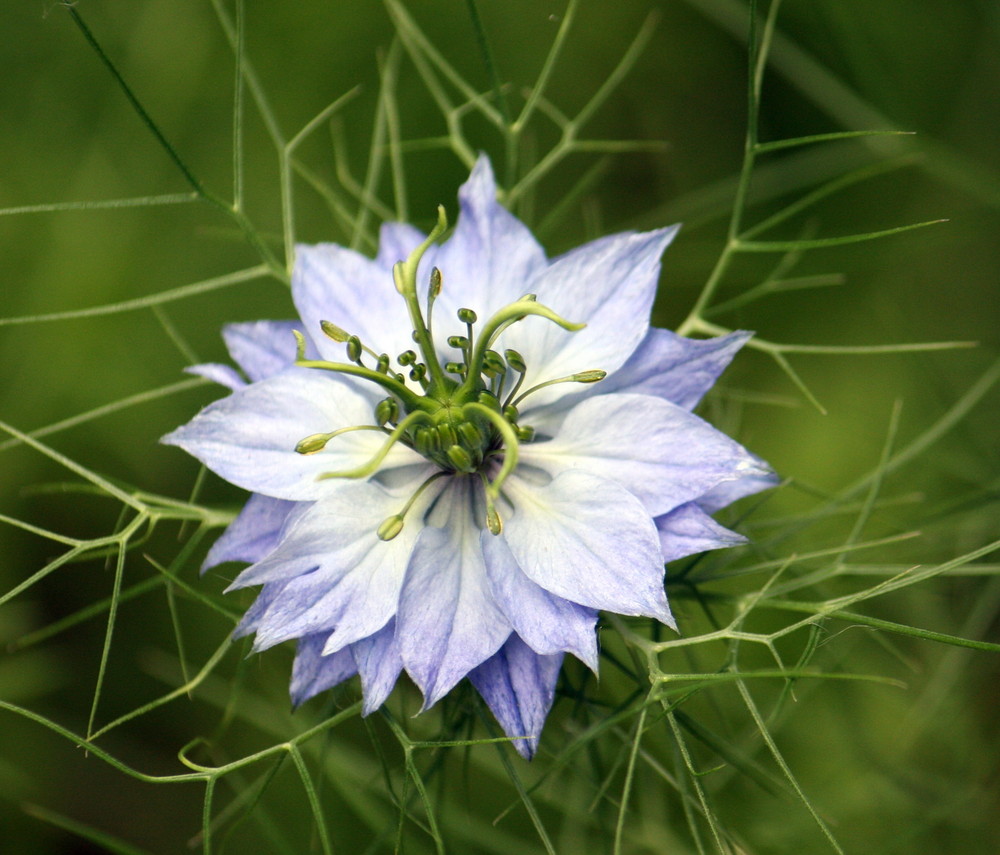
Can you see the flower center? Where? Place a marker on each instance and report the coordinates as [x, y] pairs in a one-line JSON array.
[[462, 415]]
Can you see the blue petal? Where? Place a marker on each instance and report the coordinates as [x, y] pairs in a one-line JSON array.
[[519, 686], [658, 451], [609, 284], [253, 534], [688, 529], [679, 369], [395, 243], [224, 375], [448, 622], [313, 672], [492, 257], [379, 664], [548, 624], [589, 541], [263, 348], [265, 599]]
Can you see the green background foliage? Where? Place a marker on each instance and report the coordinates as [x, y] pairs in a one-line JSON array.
[[900, 472]]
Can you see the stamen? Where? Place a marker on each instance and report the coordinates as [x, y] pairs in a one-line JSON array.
[[467, 317], [516, 362], [317, 441], [339, 334], [391, 526], [593, 376]]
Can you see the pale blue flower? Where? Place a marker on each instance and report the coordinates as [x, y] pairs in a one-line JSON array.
[[466, 509]]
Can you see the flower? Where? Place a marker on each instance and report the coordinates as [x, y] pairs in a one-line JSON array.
[[465, 509]]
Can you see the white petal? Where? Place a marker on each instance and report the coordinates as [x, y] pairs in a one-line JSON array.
[[590, 541], [547, 623], [669, 366], [448, 622], [656, 450], [249, 438]]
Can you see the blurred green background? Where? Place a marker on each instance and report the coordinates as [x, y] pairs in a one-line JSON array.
[[891, 771]]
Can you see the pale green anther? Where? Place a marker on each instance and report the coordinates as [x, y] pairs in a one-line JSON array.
[[418, 372], [383, 364], [493, 365], [386, 411], [435, 286], [510, 413], [354, 348], [467, 316], [458, 368], [313, 443], [407, 357], [318, 441], [459, 341], [493, 521], [300, 346], [461, 459], [331, 330], [488, 399], [515, 360], [590, 376], [526, 433], [511, 452], [390, 527]]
